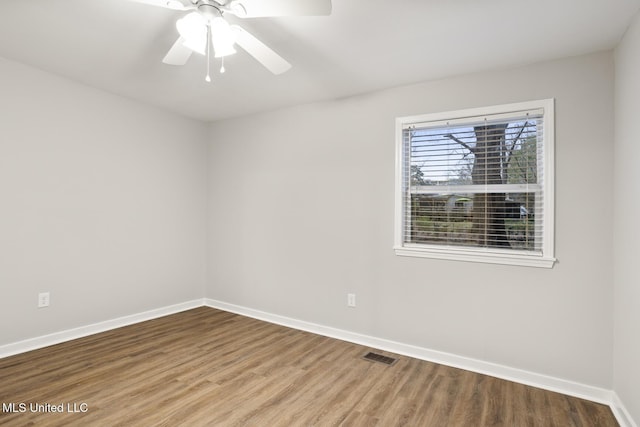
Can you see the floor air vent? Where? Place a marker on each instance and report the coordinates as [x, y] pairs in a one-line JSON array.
[[375, 357]]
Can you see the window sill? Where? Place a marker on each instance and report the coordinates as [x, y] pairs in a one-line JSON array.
[[477, 255]]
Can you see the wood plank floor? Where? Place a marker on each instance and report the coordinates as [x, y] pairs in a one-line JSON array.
[[206, 367]]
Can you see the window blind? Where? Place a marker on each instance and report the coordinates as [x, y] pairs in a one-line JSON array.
[[475, 182]]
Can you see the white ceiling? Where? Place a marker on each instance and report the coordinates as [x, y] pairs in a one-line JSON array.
[[118, 46]]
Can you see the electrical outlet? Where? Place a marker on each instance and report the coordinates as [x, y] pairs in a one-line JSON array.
[[43, 299], [351, 300]]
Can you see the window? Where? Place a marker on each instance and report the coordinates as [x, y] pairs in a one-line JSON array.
[[477, 185]]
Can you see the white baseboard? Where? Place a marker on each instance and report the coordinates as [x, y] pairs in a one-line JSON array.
[[621, 413], [83, 331], [559, 385]]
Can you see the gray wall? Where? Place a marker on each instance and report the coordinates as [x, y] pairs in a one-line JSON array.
[[627, 213], [301, 213], [102, 203]]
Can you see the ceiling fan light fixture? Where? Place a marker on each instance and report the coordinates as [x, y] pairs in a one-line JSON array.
[[193, 29], [206, 28], [222, 37], [222, 50]]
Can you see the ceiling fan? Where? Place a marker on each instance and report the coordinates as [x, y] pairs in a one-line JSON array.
[[204, 28]]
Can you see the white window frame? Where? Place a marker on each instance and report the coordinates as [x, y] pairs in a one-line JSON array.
[[546, 258]]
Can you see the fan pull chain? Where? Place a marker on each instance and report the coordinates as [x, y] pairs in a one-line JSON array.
[[222, 69], [208, 77]]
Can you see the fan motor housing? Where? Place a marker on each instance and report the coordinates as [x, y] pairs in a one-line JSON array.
[[209, 9]]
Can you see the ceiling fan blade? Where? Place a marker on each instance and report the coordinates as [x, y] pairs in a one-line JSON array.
[[167, 4], [178, 54], [266, 8], [260, 51]]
